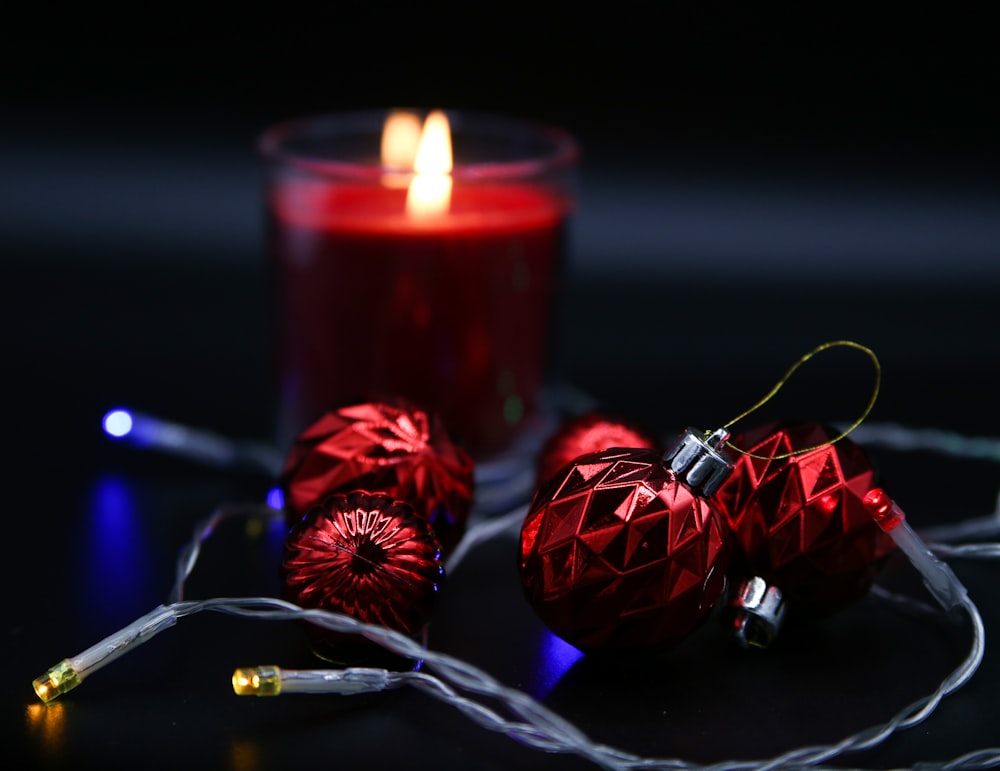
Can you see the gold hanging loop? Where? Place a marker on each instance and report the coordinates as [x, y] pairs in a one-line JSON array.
[[784, 379]]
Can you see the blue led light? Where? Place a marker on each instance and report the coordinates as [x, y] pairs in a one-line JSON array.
[[555, 658], [111, 564], [275, 498], [118, 423]]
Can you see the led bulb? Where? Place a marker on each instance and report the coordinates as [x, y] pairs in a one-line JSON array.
[[883, 509], [69, 673], [257, 681], [271, 681], [58, 680], [939, 579], [118, 423]]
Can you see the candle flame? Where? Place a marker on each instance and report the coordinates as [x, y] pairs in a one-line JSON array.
[[430, 189], [400, 139], [434, 150]]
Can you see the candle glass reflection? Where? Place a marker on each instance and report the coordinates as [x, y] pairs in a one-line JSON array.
[[445, 301]]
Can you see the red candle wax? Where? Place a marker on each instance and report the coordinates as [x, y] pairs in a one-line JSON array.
[[449, 310]]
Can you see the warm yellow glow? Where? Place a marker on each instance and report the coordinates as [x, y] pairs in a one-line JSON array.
[[400, 139], [50, 721], [428, 194], [244, 756], [430, 189], [257, 681], [35, 712], [241, 682], [434, 150], [57, 681]]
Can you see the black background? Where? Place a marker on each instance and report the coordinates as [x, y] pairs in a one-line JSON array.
[[752, 183]]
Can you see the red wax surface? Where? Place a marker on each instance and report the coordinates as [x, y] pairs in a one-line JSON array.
[[450, 311]]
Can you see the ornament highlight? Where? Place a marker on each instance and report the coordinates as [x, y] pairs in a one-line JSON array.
[[366, 556], [622, 550], [392, 447]]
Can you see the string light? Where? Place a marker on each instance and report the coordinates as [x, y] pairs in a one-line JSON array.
[[896, 437], [69, 673], [117, 423], [276, 498], [502, 482], [271, 680], [938, 577], [150, 432], [454, 680], [463, 685], [558, 737]]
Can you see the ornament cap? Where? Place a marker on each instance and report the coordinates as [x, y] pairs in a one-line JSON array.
[[756, 613], [698, 461]]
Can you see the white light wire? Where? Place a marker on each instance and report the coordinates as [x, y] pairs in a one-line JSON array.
[[988, 758], [909, 716], [976, 527], [483, 531], [898, 437], [544, 729], [894, 436], [540, 727], [967, 550], [188, 556]]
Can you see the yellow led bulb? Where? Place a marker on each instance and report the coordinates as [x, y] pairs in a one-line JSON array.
[[257, 681], [57, 681]]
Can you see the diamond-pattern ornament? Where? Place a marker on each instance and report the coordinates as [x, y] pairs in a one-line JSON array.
[[617, 552], [367, 556], [800, 523], [391, 447]]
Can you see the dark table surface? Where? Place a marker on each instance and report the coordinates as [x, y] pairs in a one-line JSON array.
[[94, 526]]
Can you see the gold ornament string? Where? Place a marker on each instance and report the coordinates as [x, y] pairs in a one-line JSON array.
[[784, 379]]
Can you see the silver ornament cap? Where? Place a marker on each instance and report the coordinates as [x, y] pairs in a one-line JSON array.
[[699, 461], [756, 613]]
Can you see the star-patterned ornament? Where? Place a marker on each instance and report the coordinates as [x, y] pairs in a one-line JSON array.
[[388, 446], [368, 556]]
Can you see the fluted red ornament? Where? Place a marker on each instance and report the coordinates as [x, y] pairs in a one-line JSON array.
[[388, 446], [585, 434], [623, 550], [368, 556], [800, 523]]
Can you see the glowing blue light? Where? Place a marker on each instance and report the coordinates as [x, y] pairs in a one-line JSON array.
[[555, 659], [112, 566], [275, 498], [118, 423]]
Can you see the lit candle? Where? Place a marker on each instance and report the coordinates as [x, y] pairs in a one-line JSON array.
[[414, 275]]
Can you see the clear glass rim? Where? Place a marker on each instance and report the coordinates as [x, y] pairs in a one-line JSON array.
[[273, 146]]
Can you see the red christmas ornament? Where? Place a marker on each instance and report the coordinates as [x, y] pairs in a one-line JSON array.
[[585, 434], [367, 556], [799, 524], [621, 549], [389, 447]]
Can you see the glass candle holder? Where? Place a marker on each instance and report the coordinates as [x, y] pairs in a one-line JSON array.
[[446, 304]]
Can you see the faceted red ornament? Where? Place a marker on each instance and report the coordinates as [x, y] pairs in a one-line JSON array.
[[617, 553], [585, 434], [390, 447], [800, 523], [367, 556]]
